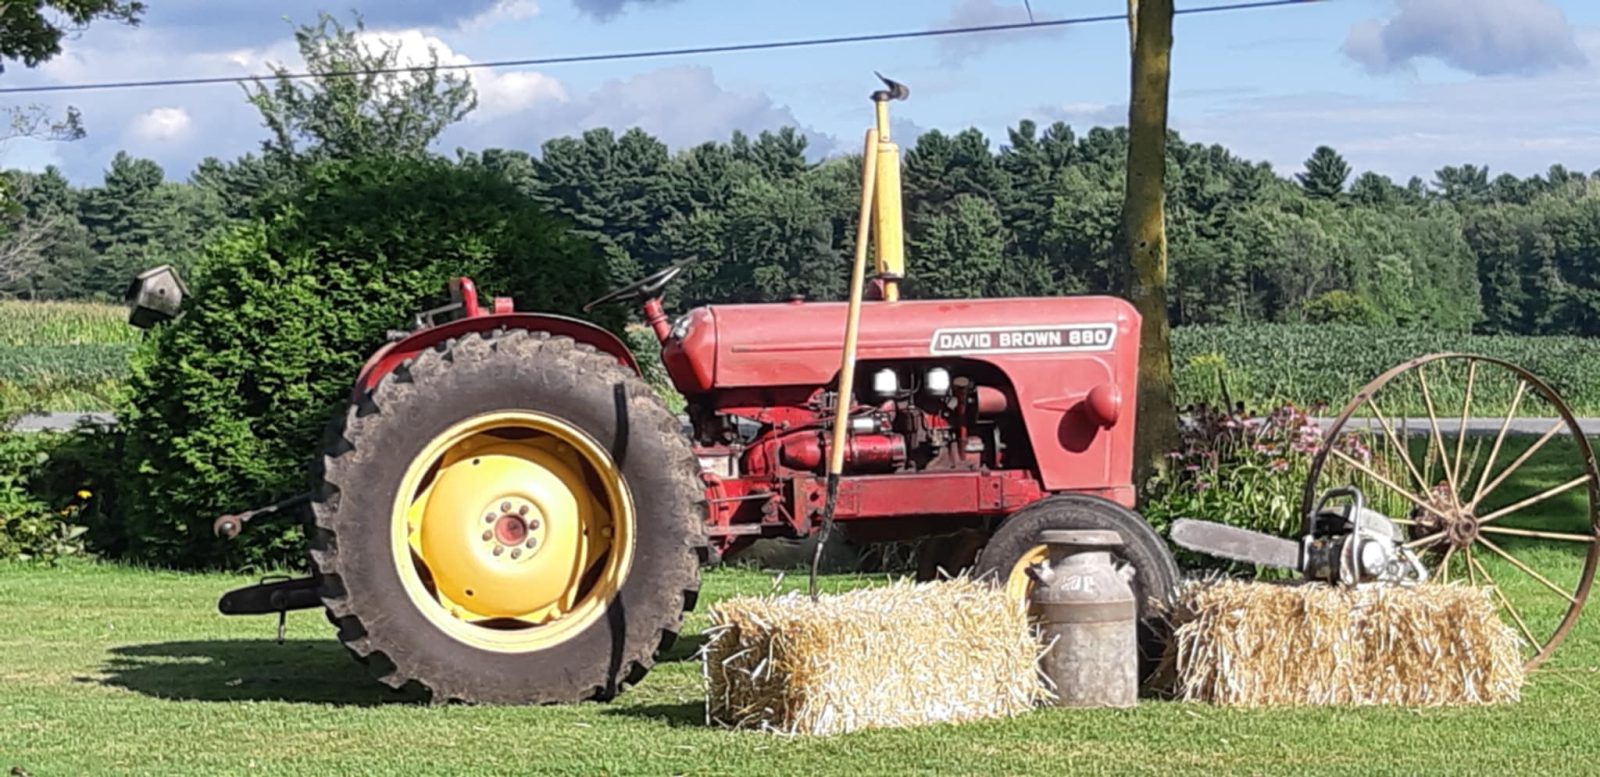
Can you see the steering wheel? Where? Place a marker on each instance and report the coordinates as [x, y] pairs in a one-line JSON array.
[[645, 287]]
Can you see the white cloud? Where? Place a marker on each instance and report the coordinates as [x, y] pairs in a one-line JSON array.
[[1084, 115], [985, 13], [502, 11], [682, 106], [499, 92], [162, 125], [1483, 37], [235, 23], [606, 10], [1504, 122]]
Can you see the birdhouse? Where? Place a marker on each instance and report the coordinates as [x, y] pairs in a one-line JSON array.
[[154, 296]]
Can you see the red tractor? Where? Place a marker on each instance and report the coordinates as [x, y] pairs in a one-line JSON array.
[[509, 513]]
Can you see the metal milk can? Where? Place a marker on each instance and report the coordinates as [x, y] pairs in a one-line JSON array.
[[1088, 619]]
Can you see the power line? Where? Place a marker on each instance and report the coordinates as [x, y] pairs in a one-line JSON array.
[[647, 54]]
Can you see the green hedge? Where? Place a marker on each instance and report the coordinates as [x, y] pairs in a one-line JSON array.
[[228, 404]]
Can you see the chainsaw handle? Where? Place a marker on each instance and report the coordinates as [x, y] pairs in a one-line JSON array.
[[1357, 501]]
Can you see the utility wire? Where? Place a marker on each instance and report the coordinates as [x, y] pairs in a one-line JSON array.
[[647, 54]]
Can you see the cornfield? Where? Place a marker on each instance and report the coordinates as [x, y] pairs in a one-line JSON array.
[[1266, 364], [70, 356], [62, 355], [26, 324]]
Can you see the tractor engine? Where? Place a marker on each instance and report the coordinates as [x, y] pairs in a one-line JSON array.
[[911, 418], [962, 410]]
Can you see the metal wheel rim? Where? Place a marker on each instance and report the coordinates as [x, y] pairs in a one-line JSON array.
[[1580, 594], [472, 438]]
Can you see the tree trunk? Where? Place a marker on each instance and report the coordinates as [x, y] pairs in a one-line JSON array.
[[1144, 215]]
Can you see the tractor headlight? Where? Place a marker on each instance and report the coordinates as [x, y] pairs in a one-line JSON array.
[[680, 328]]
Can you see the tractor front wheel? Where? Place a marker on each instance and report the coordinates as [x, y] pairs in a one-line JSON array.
[[510, 518], [1015, 546]]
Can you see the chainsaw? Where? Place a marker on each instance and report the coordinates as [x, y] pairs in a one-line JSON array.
[[1348, 544]]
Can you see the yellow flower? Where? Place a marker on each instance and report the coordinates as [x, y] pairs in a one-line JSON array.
[[83, 493]]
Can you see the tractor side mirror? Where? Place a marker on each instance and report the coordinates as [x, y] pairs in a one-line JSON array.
[[154, 296]]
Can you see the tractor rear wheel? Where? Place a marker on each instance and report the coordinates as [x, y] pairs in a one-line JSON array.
[[1015, 546], [512, 518]]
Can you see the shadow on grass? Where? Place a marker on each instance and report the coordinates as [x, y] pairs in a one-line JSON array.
[[683, 715], [298, 671], [686, 648]]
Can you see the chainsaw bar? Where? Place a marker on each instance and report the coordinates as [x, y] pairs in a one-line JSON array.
[[1235, 544]]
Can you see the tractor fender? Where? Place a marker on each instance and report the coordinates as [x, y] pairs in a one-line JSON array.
[[393, 354]]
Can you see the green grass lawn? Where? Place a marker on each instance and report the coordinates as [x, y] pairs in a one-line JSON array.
[[107, 669], [112, 670]]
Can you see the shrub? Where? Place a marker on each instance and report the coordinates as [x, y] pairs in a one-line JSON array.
[[229, 401], [1236, 469], [29, 528], [1339, 307]]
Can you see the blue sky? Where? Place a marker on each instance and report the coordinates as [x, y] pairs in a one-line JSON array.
[[1398, 86]]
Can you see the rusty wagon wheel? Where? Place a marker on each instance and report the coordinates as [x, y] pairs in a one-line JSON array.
[[1488, 474]]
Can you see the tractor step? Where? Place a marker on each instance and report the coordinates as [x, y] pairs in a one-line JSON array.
[[273, 595]]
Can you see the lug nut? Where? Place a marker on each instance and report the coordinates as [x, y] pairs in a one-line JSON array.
[[530, 543], [523, 510], [498, 550], [488, 518], [488, 535], [505, 507], [516, 552], [533, 524]]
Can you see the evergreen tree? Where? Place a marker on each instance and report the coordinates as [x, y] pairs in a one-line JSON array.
[[1325, 173]]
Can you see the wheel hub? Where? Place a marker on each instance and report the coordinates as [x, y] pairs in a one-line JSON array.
[[513, 531], [506, 532], [1462, 529]]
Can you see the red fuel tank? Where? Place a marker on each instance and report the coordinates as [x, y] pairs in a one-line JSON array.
[[1055, 351]]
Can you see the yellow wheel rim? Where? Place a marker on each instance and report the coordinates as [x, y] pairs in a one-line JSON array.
[[1018, 584], [512, 531]]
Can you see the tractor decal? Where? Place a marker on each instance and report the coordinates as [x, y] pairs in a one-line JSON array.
[[1024, 339]]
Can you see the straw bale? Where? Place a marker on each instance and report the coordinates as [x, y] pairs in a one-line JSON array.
[[1260, 644], [901, 655]]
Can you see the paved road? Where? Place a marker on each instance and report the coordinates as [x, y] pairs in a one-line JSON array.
[[1475, 426], [58, 421]]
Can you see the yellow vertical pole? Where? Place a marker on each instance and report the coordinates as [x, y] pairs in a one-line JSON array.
[[847, 364], [890, 261]]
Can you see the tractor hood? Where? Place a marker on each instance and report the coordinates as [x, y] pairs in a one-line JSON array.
[[800, 343]]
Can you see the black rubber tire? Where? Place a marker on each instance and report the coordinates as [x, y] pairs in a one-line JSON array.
[[371, 447], [1156, 575]]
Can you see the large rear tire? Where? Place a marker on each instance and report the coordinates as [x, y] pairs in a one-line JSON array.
[[510, 518]]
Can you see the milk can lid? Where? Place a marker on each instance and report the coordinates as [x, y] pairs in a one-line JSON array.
[[1082, 538]]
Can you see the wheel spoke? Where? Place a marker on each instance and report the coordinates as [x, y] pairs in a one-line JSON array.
[[1504, 602], [1405, 456], [1444, 565], [1536, 498], [1527, 454], [1346, 458], [1543, 535], [1516, 401], [1438, 440], [1529, 570], [1421, 541], [1472, 570], [1461, 431]]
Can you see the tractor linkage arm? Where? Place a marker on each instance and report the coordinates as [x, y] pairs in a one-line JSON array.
[[229, 526]]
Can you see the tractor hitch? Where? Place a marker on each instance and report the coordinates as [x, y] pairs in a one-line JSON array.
[[274, 594]]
